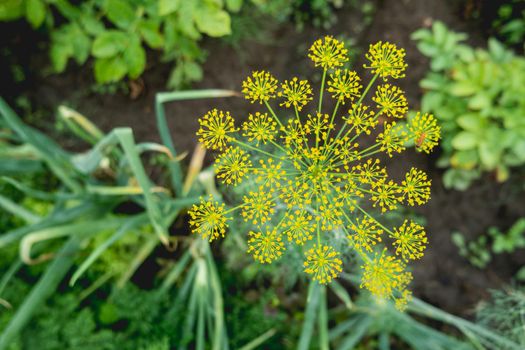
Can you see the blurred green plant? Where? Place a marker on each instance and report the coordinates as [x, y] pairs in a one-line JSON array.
[[505, 313], [478, 97], [91, 186], [510, 22], [479, 251], [116, 33]]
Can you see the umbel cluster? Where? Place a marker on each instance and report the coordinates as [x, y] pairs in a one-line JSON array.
[[312, 174]]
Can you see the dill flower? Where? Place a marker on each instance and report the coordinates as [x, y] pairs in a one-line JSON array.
[[391, 100], [344, 85], [424, 131], [416, 187], [270, 174], [366, 234], [311, 175], [259, 127], [265, 246], [410, 240], [323, 263], [298, 226], [258, 207], [232, 165], [361, 119], [384, 274], [392, 139], [208, 219], [297, 93], [386, 195], [386, 60], [215, 127], [370, 172], [328, 53], [261, 86]]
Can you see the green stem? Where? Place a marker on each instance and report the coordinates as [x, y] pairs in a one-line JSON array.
[[322, 91]]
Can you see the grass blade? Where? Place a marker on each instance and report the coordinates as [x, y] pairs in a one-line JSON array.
[[164, 131], [312, 304], [130, 224], [125, 137], [17, 210], [259, 340]]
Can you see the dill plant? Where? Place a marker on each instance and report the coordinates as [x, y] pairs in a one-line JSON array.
[[312, 175]]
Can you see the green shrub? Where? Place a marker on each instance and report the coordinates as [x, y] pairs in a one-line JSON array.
[[478, 97]]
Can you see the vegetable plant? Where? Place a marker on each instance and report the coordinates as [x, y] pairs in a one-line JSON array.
[[477, 96]]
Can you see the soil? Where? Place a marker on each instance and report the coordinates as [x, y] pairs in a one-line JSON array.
[[442, 278]]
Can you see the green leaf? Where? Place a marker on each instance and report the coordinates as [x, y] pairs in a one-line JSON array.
[[120, 13], [81, 45], [479, 101], [464, 141], [35, 12], [168, 6], [149, 30], [135, 58], [109, 43], [11, 9], [193, 71], [60, 54], [234, 5], [110, 69], [463, 88], [489, 155], [212, 21], [92, 25], [471, 122]]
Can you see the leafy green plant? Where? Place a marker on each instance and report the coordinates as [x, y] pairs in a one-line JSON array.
[[116, 33], [82, 206], [510, 23], [478, 97], [505, 313], [479, 252]]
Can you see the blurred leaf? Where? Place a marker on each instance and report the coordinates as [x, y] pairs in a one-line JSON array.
[[234, 5], [109, 43], [464, 140], [35, 12], [150, 32], [212, 21], [11, 9], [111, 69], [135, 57], [168, 6], [120, 13]]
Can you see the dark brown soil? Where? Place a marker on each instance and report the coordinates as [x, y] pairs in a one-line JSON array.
[[443, 277]]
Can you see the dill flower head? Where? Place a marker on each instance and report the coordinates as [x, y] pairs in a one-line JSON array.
[[410, 240], [269, 173], [424, 132], [344, 85], [328, 53], [215, 127], [265, 246], [383, 275], [386, 195], [305, 178], [261, 86], [416, 187], [386, 60], [297, 93], [391, 101], [323, 263], [232, 165], [392, 139], [208, 219], [259, 127], [361, 118], [366, 234], [298, 226], [258, 207]]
